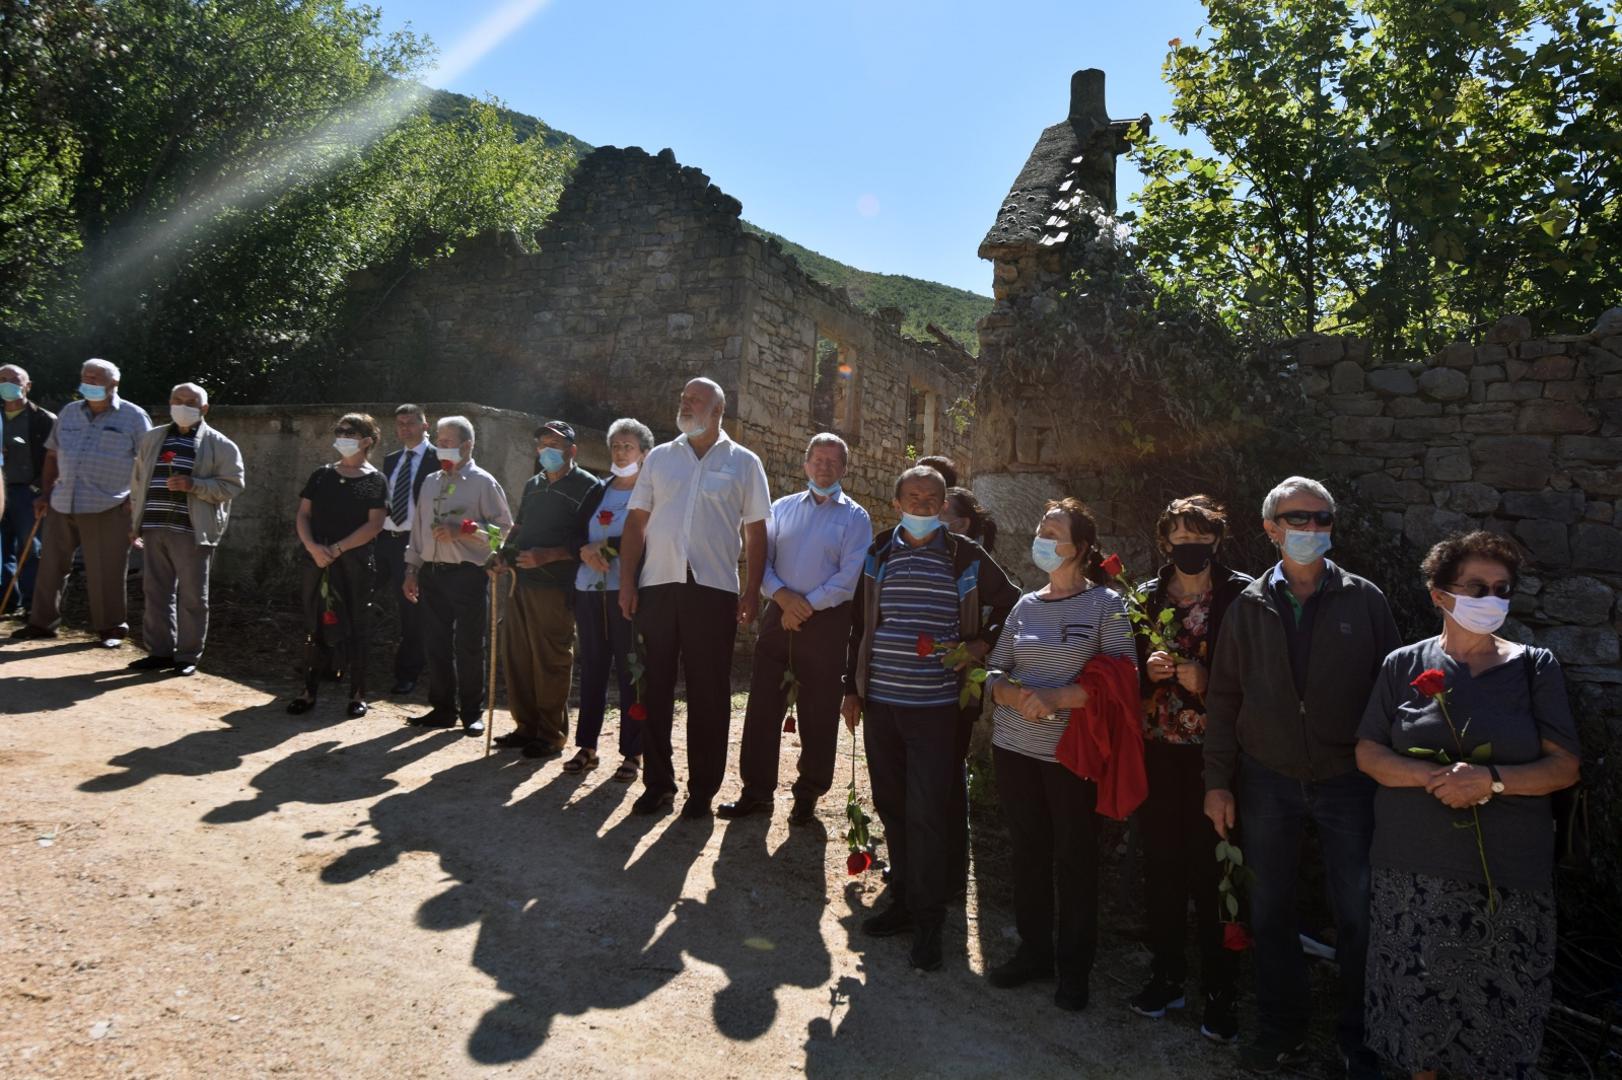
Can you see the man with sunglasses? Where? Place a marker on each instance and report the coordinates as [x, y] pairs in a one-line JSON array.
[[1295, 662]]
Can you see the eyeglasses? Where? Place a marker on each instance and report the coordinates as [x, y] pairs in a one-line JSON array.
[[346, 432], [1478, 590], [1324, 518]]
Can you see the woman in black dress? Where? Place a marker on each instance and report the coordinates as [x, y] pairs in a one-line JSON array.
[[340, 510]]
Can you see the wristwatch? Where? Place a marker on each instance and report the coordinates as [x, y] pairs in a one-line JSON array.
[[1497, 781]]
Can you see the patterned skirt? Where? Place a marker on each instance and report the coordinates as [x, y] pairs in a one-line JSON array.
[[1452, 988]]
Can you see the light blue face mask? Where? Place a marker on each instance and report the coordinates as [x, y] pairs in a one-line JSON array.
[[920, 527], [824, 492], [552, 459], [10, 391], [1305, 547], [92, 393], [1045, 554]]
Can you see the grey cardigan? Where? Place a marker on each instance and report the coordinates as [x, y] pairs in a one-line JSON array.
[[217, 478]]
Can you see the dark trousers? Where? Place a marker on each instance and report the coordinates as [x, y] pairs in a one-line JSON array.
[[1274, 809], [913, 760], [604, 640], [1054, 834], [339, 645], [390, 577], [455, 632], [15, 524], [693, 628], [819, 665], [957, 862], [1179, 862]]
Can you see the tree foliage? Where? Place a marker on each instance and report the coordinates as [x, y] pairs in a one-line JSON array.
[[217, 168], [1403, 171]]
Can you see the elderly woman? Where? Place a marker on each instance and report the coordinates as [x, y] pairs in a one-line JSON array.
[[1467, 734], [606, 637], [1046, 641], [340, 511], [1178, 839]]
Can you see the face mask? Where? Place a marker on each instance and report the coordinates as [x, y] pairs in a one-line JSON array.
[[818, 489], [92, 393], [692, 427], [920, 527], [185, 415], [449, 456], [1305, 547], [552, 459], [10, 391], [1479, 616], [346, 447], [1045, 554], [1191, 558], [623, 471]]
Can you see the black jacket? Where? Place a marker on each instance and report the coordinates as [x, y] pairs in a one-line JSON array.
[[1226, 585], [40, 422]]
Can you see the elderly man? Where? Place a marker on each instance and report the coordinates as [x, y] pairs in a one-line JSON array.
[[543, 549], [816, 540], [27, 426], [1297, 658], [445, 574], [404, 472], [85, 500], [186, 474], [692, 498]]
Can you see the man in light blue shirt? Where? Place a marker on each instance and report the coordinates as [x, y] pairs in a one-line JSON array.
[[816, 541]]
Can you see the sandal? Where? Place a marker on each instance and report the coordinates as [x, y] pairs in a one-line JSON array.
[[583, 759], [627, 771]]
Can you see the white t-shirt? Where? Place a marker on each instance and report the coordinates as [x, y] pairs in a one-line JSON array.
[[696, 507]]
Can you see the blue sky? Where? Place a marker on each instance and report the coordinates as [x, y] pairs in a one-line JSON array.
[[882, 134]]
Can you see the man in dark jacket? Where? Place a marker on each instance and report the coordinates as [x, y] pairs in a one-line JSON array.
[[27, 426], [922, 590], [1295, 663], [404, 472]]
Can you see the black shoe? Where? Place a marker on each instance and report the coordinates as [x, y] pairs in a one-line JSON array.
[[696, 810], [653, 802], [513, 740], [356, 709], [474, 727], [403, 686], [300, 705], [1268, 1055], [895, 919], [731, 811], [804, 812], [436, 718], [1361, 1064], [926, 948], [1071, 996], [1019, 970], [30, 632], [535, 748], [151, 663], [186, 668], [1156, 997], [1221, 1020]]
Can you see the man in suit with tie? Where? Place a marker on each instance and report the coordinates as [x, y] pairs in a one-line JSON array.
[[404, 470]]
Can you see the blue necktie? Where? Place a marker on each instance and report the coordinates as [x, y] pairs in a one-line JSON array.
[[400, 502]]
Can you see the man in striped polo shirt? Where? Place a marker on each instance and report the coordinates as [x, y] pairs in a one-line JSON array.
[[921, 587]]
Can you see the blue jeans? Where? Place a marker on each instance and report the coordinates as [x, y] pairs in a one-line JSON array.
[[603, 640], [14, 526], [1273, 812]]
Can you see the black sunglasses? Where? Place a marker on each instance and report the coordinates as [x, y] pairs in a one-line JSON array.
[[347, 432], [1478, 591], [1324, 518]]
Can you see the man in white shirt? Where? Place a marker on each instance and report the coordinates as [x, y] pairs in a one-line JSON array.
[[683, 526], [403, 472]]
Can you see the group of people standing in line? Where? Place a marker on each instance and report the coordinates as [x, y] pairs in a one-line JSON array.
[[1264, 703]]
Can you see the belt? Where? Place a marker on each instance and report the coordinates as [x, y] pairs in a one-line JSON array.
[[447, 566]]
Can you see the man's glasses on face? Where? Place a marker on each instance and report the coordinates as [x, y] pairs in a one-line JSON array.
[[1298, 518], [1478, 590]]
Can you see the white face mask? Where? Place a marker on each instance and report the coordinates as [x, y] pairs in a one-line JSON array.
[[1479, 615], [626, 470], [453, 454], [185, 415], [346, 447]]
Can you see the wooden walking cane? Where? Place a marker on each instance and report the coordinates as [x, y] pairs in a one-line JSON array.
[[22, 557], [490, 708]]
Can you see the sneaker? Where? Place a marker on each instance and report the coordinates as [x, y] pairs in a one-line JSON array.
[[1221, 1020], [895, 919], [1018, 970], [1268, 1055], [151, 663], [1158, 996]]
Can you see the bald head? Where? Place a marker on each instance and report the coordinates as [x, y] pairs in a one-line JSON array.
[[703, 404]]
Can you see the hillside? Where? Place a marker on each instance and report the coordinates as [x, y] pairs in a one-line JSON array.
[[953, 310]]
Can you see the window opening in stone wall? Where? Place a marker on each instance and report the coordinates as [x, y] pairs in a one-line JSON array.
[[921, 414], [835, 404]]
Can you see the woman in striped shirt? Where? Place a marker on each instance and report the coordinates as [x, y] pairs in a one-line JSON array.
[[1046, 641]]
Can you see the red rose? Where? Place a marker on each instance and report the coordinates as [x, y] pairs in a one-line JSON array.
[[1111, 566], [788, 723], [329, 618], [605, 517], [469, 526], [167, 456], [1235, 938], [926, 646], [637, 711], [858, 863], [448, 466], [1430, 682]]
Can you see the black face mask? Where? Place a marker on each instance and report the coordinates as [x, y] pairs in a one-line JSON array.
[[1192, 558]]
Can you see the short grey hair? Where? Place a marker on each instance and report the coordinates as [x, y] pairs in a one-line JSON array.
[[463, 426], [920, 472], [827, 438], [1294, 485], [106, 367], [22, 373], [626, 425], [202, 395]]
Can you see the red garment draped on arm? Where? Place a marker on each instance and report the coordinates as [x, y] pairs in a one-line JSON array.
[[1104, 739]]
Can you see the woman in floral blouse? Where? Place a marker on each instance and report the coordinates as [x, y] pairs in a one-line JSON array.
[[1179, 844]]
